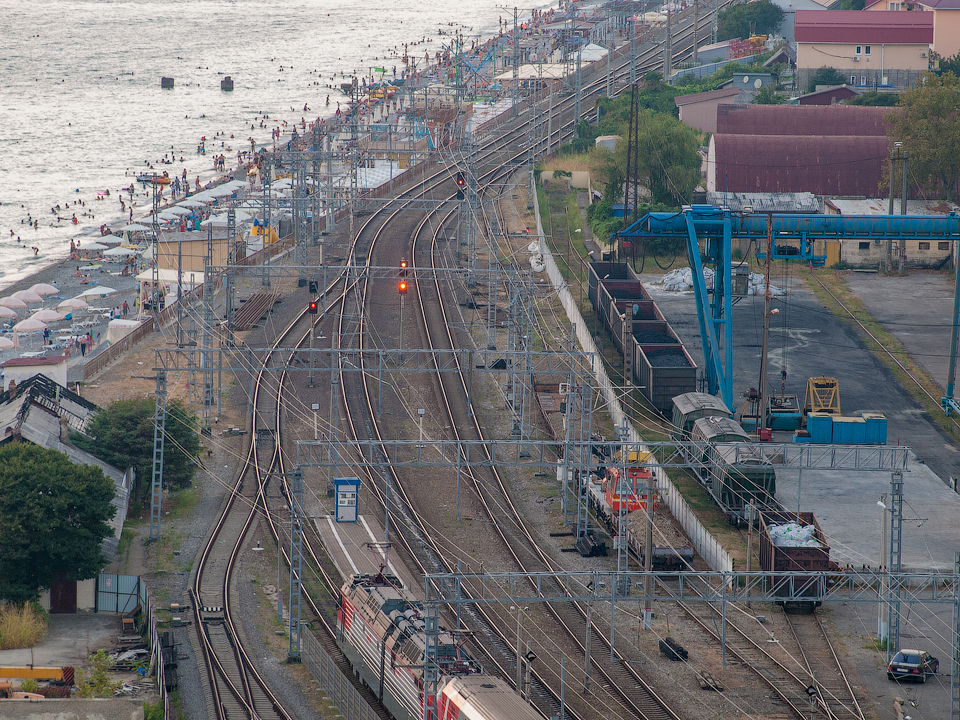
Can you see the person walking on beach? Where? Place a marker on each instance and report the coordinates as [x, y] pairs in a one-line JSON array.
[[83, 346], [125, 308]]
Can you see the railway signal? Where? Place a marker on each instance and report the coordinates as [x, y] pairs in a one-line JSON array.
[[403, 268], [461, 186], [312, 307], [314, 287], [402, 287]]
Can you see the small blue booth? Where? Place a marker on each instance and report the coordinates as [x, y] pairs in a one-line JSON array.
[[347, 494]]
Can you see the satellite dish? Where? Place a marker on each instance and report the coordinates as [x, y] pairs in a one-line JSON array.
[[746, 79], [758, 83]]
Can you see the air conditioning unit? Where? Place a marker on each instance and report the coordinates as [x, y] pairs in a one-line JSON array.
[[856, 59], [923, 55]]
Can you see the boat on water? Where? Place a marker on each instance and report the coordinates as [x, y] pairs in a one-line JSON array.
[[153, 179]]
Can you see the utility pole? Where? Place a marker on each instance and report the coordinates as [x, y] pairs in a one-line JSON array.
[[648, 558], [668, 47], [762, 411], [696, 21], [894, 156]]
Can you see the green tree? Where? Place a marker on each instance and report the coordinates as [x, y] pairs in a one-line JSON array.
[[53, 517], [121, 435], [826, 76], [669, 164], [950, 64], [852, 4], [768, 96], [873, 98], [736, 22], [927, 122]]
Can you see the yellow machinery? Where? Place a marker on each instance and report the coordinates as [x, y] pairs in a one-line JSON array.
[[823, 396]]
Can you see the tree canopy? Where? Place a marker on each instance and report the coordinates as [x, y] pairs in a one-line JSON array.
[[826, 76], [121, 435], [763, 16], [53, 518], [927, 122]]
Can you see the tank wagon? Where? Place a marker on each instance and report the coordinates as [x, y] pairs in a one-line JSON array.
[[381, 632]]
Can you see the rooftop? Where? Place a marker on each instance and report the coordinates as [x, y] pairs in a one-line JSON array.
[[34, 362], [681, 100], [861, 26]]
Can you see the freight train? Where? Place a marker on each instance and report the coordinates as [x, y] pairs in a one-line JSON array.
[[381, 632], [733, 469], [662, 367]]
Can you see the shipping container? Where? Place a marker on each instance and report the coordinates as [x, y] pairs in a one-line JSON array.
[[849, 431], [820, 427], [800, 560], [876, 428]]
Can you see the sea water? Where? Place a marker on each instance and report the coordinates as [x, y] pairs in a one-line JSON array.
[[82, 110]]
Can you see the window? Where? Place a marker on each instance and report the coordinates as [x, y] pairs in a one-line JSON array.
[[865, 245], [863, 79], [866, 50], [923, 246], [894, 6], [853, 79], [859, 50], [943, 245]]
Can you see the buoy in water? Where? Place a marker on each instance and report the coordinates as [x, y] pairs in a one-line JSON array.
[[226, 84]]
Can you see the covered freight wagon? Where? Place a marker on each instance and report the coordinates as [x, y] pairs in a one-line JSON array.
[[795, 543], [690, 407]]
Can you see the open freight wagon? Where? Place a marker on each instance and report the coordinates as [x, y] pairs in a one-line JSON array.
[[794, 542]]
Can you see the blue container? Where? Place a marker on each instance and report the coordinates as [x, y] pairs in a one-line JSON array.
[[876, 428], [849, 431], [820, 427]]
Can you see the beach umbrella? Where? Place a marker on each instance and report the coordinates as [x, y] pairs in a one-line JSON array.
[[12, 302], [30, 325], [99, 290], [179, 210], [92, 246], [6, 343], [28, 296], [191, 203], [44, 289], [135, 227], [72, 304], [7, 312], [119, 252], [220, 191], [168, 216], [47, 315]]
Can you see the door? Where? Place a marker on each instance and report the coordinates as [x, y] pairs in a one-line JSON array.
[[63, 596]]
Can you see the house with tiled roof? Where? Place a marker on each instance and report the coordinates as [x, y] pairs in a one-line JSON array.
[[870, 49], [946, 20]]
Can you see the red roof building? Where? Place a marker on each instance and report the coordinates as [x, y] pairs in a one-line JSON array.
[[875, 48], [946, 20], [789, 148]]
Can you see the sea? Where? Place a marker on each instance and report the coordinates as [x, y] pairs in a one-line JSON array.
[[82, 111]]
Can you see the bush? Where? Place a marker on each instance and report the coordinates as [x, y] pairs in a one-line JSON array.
[[21, 625], [97, 684]]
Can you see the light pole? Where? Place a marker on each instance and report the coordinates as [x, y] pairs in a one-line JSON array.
[[316, 428], [520, 610]]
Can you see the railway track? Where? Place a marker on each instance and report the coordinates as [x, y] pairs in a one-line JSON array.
[[236, 688], [787, 665]]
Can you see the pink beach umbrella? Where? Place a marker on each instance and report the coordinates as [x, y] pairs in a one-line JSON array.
[[47, 315], [6, 343], [30, 325], [7, 312], [12, 302], [72, 304], [44, 289], [28, 296]]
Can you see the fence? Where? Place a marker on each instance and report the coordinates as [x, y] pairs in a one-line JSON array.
[[704, 543], [332, 681]]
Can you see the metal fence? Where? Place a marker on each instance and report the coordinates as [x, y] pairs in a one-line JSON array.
[[332, 681]]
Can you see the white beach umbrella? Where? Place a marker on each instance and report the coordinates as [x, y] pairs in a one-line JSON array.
[[30, 325], [220, 191], [47, 315], [73, 304], [93, 246], [179, 210], [44, 289], [191, 202], [7, 312], [12, 302], [119, 252], [28, 296], [6, 343], [136, 227], [99, 290]]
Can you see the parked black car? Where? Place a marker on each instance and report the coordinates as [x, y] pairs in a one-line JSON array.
[[912, 664]]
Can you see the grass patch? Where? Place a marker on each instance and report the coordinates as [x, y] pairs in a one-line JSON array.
[[21, 626], [831, 289]]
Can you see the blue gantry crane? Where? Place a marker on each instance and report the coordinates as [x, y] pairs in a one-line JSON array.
[[709, 231]]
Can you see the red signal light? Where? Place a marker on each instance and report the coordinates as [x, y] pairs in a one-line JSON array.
[[403, 287], [312, 308]]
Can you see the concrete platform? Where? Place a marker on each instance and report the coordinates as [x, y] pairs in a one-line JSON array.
[[68, 642], [806, 340], [357, 548]]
